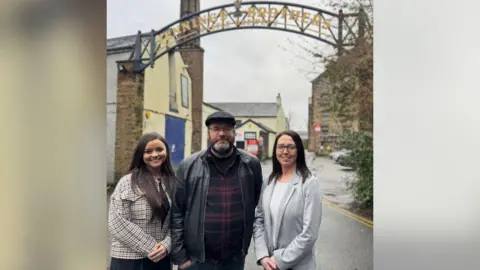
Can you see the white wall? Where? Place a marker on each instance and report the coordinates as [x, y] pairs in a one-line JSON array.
[[112, 111]]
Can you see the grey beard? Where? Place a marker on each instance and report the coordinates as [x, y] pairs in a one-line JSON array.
[[222, 152]]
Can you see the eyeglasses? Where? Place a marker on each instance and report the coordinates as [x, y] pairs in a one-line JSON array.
[[289, 147], [224, 129]]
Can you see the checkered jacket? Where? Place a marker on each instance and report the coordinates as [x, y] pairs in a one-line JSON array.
[[133, 234]]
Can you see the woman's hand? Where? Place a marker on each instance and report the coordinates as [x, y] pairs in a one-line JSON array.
[[268, 263], [273, 263], [158, 252]]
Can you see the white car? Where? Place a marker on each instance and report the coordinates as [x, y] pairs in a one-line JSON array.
[[336, 154]]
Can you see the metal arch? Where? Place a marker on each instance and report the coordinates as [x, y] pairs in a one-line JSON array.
[[239, 28], [146, 42], [193, 15]]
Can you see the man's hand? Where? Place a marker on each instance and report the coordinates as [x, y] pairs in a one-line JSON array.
[[158, 252], [273, 263], [185, 265]]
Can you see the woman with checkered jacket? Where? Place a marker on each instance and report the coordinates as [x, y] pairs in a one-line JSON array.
[[139, 214]]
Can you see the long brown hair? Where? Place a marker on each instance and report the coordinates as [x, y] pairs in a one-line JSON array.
[[301, 164], [143, 180]]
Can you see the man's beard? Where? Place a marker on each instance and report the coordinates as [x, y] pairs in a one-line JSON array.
[[222, 147]]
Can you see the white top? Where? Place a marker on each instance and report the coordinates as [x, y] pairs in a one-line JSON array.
[[277, 195]]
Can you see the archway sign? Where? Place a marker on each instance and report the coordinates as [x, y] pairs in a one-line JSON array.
[[339, 30]]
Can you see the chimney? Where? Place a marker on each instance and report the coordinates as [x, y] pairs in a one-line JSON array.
[[279, 100]]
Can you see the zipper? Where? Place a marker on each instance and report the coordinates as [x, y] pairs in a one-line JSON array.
[[244, 208], [202, 231]]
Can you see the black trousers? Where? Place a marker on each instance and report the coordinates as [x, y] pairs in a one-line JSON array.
[[140, 264]]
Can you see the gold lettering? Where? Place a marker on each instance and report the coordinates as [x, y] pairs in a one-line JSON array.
[[284, 13], [201, 22], [176, 30], [161, 40], [326, 24], [213, 17], [262, 13], [195, 24], [251, 12], [165, 38], [316, 20], [305, 16], [273, 15], [295, 15], [223, 15], [186, 26]]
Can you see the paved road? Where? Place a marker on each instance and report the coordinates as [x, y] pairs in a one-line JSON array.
[[345, 242]]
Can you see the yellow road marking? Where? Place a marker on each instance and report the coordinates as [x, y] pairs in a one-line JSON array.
[[349, 214]]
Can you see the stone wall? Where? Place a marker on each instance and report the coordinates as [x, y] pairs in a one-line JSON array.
[[314, 139], [130, 93], [193, 58]]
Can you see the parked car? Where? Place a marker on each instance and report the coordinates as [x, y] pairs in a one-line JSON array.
[[346, 160], [335, 155]]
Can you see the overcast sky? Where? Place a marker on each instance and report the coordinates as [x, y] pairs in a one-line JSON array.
[[241, 65]]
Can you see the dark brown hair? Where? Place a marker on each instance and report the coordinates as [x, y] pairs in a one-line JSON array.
[[143, 180], [301, 164]]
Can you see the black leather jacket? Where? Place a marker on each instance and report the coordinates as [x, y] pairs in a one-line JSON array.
[[189, 202]]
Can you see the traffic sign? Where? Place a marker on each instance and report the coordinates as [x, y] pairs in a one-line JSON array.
[[317, 128]]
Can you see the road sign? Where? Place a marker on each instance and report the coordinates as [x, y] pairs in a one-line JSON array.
[[317, 128], [252, 147], [239, 136]]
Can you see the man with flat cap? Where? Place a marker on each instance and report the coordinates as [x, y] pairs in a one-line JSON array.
[[214, 202]]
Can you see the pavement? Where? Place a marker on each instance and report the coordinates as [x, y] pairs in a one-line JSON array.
[[345, 241]]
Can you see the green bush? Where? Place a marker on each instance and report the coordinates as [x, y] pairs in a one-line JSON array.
[[347, 161], [361, 145]]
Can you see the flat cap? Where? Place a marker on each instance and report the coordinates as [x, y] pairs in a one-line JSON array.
[[220, 117]]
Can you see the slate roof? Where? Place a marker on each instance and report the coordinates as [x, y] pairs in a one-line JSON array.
[[211, 106], [248, 109], [262, 126], [121, 43]]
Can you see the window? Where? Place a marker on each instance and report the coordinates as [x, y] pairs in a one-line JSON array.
[[172, 95], [324, 129], [250, 135], [172, 101], [184, 87], [325, 115]]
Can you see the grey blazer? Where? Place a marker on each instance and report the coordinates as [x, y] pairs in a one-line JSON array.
[[300, 215]]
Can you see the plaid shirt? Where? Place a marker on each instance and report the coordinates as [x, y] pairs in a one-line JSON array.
[[224, 215], [133, 235]]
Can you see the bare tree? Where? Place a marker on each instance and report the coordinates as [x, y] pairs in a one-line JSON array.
[[288, 119]]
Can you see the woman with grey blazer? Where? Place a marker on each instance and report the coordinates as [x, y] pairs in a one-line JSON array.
[[288, 215]]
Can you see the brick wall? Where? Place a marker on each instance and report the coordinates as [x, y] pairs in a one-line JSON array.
[[310, 142], [334, 126], [317, 89], [193, 58], [129, 127]]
